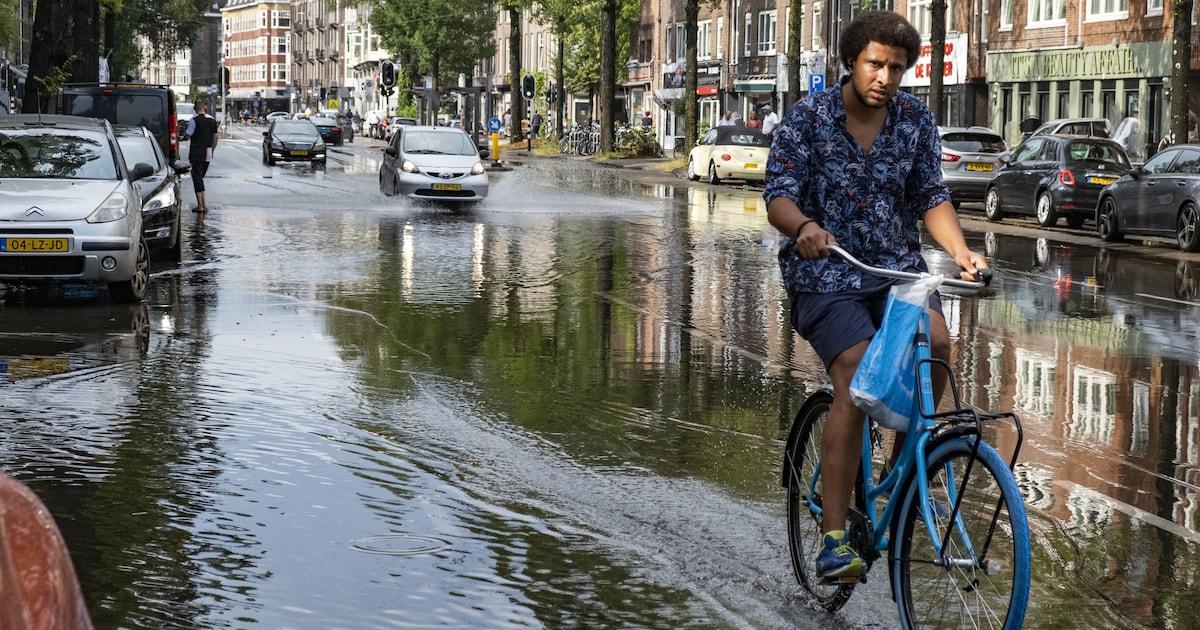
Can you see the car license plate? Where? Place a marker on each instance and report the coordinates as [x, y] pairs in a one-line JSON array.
[[447, 186], [1102, 181], [979, 166], [751, 165], [300, 152], [33, 245]]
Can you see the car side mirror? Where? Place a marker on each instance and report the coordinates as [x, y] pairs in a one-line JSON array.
[[484, 153], [182, 166], [1137, 172], [266, 134], [391, 150], [142, 170]]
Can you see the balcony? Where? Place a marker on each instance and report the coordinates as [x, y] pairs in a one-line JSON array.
[[751, 66], [321, 54], [333, 53], [320, 23]]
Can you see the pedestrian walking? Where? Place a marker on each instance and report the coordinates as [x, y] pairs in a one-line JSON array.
[[754, 122], [202, 134], [536, 122], [859, 166], [726, 120]]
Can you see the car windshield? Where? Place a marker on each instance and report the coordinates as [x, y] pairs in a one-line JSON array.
[[185, 109], [973, 142], [56, 153], [438, 142], [138, 148], [295, 128], [1081, 150]]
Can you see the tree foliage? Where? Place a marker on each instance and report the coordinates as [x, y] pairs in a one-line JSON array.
[[436, 37], [9, 31]]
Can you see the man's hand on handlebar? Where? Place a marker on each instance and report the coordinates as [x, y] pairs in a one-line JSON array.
[[972, 264], [812, 240]]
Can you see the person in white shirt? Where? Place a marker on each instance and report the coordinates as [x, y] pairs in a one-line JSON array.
[[726, 120], [770, 120]]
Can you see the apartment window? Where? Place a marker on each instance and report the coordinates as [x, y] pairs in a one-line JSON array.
[[1047, 12], [279, 72], [1154, 7], [816, 28], [921, 16], [800, 28], [787, 23], [766, 32], [541, 52], [1006, 15], [281, 19], [1108, 9], [680, 42], [669, 42], [720, 38], [262, 19], [279, 45], [746, 40], [704, 40]]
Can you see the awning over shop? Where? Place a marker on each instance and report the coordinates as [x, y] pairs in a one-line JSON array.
[[754, 84]]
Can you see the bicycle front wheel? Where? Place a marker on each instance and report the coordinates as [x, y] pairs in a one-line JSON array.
[[982, 578], [802, 471]]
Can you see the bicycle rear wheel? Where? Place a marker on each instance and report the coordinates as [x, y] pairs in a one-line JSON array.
[[986, 584], [801, 466]]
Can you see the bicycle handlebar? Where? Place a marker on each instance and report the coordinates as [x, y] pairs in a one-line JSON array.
[[985, 275]]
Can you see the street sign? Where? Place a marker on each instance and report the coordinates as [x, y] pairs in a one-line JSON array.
[[495, 124], [816, 82]]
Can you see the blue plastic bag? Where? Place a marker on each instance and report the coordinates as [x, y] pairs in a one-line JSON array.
[[885, 384]]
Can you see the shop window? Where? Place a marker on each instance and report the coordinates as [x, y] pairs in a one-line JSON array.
[[1107, 9]]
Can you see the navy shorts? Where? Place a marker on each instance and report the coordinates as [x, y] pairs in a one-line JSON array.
[[833, 322]]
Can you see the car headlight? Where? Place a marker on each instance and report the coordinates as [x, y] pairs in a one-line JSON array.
[[477, 169], [276, 143], [409, 167], [164, 199], [115, 208]]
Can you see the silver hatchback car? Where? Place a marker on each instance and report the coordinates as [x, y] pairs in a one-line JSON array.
[[970, 156], [69, 205], [438, 163]]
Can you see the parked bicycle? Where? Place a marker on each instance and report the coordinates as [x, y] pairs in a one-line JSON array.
[[949, 514]]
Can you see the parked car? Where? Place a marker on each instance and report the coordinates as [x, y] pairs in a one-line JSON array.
[[331, 131], [139, 104], [389, 126], [1053, 176], [730, 152], [161, 200], [970, 156], [1095, 127], [428, 162], [293, 141], [273, 116], [69, 205], [1159, 198], [347, 123]]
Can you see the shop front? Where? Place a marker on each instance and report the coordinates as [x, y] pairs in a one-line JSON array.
[[1112, 81]]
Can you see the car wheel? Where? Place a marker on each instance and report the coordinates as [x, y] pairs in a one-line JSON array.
[[1075, 220], [692, 175], [134, 289], [712, 174], [991, 206], [1106, 221], [1187, 230], [1047, 216], [175, 251]]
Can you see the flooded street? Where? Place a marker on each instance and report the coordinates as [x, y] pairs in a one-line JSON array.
[[562, 408]]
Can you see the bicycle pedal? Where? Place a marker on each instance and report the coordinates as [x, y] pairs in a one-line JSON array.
[[844, 580]]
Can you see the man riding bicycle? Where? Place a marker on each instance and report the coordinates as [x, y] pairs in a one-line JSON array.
[[858, 165]]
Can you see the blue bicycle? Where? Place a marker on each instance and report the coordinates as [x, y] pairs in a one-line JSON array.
[[958, 550]]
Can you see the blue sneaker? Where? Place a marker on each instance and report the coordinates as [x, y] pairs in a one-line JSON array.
[[838, 561]]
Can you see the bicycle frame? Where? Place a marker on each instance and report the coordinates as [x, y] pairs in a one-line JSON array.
[[923, 427]]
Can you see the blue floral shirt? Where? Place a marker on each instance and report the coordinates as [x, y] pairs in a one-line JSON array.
[[870, 202]]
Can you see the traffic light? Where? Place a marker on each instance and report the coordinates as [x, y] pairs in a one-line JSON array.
[[528, 87], [551, 93], [225, 79], [387, 74]]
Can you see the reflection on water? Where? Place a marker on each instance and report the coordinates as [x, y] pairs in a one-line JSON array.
[[563, 408]]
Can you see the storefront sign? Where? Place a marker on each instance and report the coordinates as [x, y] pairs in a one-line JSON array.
[[954, 64], [1100, 62]]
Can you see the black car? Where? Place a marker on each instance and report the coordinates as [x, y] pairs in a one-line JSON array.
[[136, 104], [1050, 176], [1159, 198], [293, 141], [161, 198], [330, 129]]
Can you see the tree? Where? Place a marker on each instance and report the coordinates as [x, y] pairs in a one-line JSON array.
[[1181, 64], [559, 14], [608, 72], [691, 109], [795, 45], [436, 39], [937, 59]]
